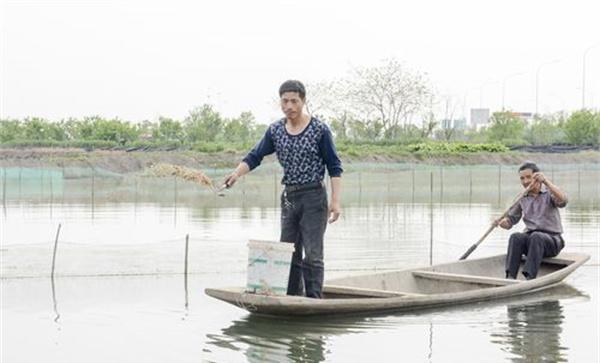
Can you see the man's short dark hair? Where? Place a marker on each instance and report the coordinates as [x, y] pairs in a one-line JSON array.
[[292, 86], [529, 165]]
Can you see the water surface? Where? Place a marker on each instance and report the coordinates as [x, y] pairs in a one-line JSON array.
[[119, 292]]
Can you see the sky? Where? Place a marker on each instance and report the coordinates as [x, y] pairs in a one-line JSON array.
[[138, 60]]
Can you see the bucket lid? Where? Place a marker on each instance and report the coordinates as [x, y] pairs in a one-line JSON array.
[[272, 245]]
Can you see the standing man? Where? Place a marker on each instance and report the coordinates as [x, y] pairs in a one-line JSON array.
[[304, 148], [543, 227]]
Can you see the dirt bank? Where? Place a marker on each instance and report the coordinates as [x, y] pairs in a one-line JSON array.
[[121, 161]]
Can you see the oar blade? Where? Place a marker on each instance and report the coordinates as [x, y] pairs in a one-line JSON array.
[[469, 251]]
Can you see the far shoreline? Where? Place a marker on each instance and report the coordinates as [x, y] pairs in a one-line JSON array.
[[123, 161]]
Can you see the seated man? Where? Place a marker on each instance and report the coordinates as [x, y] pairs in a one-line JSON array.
[[543, 228]]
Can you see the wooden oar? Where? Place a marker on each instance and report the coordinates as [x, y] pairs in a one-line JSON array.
[[492, 226]]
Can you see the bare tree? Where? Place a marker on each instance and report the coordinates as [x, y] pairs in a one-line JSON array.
[[449, 129], [428, 125], [388, 92], [383, 98], [327, 100], [322, 98]]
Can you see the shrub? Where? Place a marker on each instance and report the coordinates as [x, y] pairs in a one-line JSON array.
[[459, 147], [583, 127]]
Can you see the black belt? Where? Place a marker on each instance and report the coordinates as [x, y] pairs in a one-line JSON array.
[[301, 187]]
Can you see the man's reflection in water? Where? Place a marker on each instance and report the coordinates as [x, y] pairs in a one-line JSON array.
[[533, 332], [276, 340]]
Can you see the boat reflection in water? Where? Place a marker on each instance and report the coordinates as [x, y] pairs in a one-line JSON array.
[[530, 330], [277, 340], [534, 331]]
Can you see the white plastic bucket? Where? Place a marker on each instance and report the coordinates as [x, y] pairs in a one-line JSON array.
[[268, 267]]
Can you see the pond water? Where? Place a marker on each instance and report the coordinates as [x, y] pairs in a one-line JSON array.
[[119, 292]]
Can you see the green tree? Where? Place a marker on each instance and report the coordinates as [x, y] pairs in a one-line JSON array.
[[84, 129], [544, 132], [40, 129], [506, 128], [583, 127], [258, 131], [366, 130], [10, 130], [203, 124], [145, 129], [239, 129], [413, 134], [70, 127], [339, 127], [33, 129], [168, 130], [114, 130]]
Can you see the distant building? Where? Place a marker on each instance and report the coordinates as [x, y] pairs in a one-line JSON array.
[[453, 124], [446, 124], [480, 116], [460, 124]]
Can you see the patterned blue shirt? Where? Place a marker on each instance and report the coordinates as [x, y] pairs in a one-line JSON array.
[[303, 156]]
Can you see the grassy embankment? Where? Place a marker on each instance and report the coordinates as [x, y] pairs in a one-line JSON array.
[[224, 156]]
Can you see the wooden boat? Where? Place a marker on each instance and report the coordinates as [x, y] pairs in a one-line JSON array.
[[432, 286]]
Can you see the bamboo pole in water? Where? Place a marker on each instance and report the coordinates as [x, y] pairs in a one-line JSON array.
[[174, 201], [387, 174], [62, 179], [499, 184], [413, 184], [54, 252], [578, 181], [54, 302], [470, 185], [441, 183], [431, 219], [185, 269], [135, 199], [93, 190], [51, 195], [359, 188]]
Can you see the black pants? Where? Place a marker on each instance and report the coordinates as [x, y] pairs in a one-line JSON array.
[[535, 245], [303, 222]]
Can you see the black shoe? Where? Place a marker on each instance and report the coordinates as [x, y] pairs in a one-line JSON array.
[[527, 277]]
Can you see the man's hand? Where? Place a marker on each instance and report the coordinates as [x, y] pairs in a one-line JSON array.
[[239, 171], [231, 179], [539, 177], [504, 223], [334, 211]]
